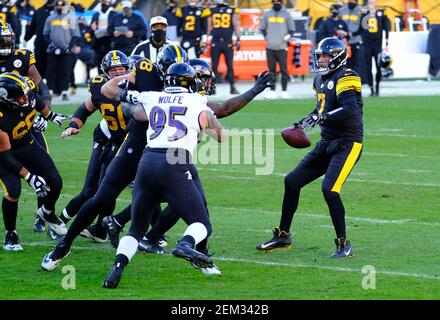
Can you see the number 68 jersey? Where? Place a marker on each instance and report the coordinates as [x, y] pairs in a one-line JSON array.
[[173, 118]]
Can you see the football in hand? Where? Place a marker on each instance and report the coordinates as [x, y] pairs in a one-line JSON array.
[[296, 137]]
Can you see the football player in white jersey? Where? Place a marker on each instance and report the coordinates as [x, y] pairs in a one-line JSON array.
[[176, 117]]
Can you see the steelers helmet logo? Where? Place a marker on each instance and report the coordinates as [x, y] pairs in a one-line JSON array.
[[17, 63], [3, 69], [3, 93], [330, 85]]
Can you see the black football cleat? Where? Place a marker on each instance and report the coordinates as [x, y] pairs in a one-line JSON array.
[[280, 240], [113, 278], [343, 249], [184, 250], [113, 230], [145, 245], [95, 233]]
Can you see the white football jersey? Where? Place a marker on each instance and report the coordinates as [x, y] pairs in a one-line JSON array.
[[173, 118]]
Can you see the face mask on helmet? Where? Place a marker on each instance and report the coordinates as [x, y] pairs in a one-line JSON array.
[[15, 92], [7, 42], [335, 51], [180, 75], [114, 64]]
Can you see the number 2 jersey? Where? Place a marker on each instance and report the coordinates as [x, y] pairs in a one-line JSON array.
[[173, 118], [110, 110], [340, 89]]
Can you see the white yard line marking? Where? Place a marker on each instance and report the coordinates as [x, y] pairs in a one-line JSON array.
[[267, 263]]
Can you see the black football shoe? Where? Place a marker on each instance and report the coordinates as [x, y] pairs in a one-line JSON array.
[[113, 278], [280, 240], [184, 250], [113, 230], [145, 245], [95, 232]]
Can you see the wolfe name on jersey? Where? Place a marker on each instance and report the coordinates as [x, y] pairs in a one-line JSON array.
[[173, 118], [18, 62], [341, 88]]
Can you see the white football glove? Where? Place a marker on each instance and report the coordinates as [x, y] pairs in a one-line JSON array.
[[57, 118], [40, 124], [38, 184], [130, 96]]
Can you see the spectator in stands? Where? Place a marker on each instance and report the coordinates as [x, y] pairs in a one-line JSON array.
[[351, 13], [25, 12], [150, 47], [277, 27], [170, 15], [99, 26], [126, 29], [36, 28], [61, 32], [378, 24], [333, 26]]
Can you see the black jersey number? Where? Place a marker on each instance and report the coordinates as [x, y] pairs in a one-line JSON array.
[[23, 126], [114, 123], [221, 20]]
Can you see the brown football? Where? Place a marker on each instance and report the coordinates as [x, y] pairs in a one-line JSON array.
[[296, 137]]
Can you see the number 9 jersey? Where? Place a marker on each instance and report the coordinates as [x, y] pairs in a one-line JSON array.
[[173, 118]]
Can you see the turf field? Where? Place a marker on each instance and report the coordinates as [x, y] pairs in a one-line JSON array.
[[391, 198]]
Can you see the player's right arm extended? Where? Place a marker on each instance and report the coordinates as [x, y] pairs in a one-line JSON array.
[[79, 118]]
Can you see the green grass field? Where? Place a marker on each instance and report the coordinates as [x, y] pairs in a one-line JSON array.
[[392, 203]]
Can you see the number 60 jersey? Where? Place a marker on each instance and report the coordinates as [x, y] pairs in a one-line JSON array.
[[173, 118]]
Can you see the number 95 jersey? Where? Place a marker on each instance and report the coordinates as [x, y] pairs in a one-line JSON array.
[[173, 118]]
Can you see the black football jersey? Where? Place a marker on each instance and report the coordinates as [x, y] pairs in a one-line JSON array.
[[377, 24], [111, 110], [341, 88], [192, 21], [18, 62], [222, 22], [17, 124]]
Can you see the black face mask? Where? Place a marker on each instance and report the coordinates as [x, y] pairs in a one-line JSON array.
[[60, 11], [352, 5], [277, 6], [158, 35], [335, 14], [171, 8], [104, 7]]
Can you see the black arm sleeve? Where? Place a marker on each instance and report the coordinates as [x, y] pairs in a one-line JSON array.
[[82, 113], [349, 107], [10, 162], [39, 103], [43, 90]]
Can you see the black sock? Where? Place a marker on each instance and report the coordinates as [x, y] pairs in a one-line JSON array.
[[202, 246], [290, 204], [121, 261], [124, 216], [189, 239], [337, 212], [10, 210], [83, 219]]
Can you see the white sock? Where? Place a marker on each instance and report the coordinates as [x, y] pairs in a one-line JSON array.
[[196, 230], [66, 215], [127, 246]]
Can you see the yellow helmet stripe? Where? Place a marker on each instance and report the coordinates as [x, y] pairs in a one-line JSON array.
[[15, 78], [179, 55], [115, 56]]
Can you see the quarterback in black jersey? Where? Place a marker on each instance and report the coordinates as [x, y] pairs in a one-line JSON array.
[[22, 157], [338, 111]]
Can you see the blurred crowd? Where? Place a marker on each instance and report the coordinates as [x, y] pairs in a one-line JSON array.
[[65, 33]]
